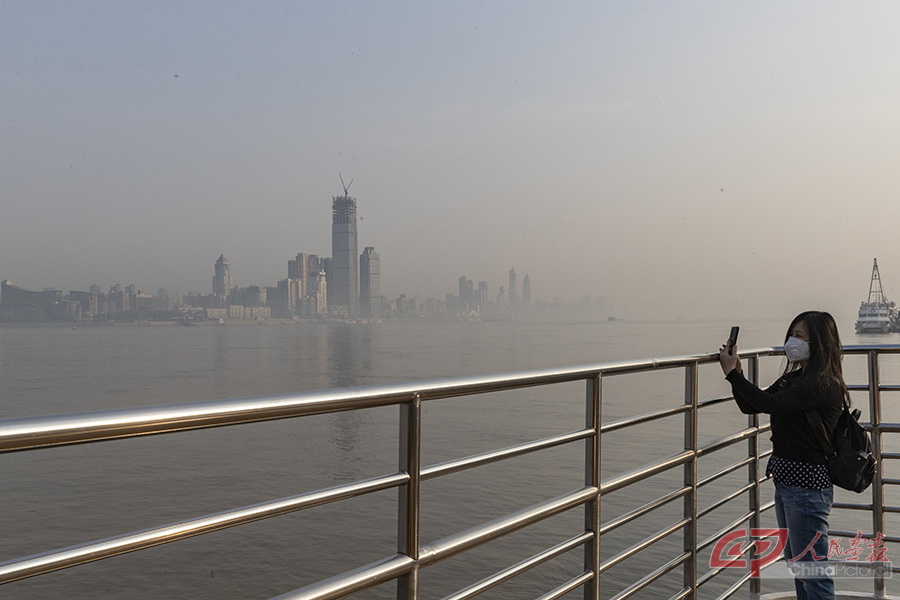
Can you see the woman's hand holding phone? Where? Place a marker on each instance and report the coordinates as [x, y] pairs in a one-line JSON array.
[[728, 356]]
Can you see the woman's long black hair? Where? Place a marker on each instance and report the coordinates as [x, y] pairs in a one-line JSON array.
[[825, 350]]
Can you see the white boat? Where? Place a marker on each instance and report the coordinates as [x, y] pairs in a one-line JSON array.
[[877, 314]]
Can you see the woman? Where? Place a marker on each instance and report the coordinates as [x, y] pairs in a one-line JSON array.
[[812, 380]]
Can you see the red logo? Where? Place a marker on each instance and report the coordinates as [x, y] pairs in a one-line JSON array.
[[729, 551]]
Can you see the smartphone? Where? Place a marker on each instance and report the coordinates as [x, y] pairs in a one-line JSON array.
[[732, 338]]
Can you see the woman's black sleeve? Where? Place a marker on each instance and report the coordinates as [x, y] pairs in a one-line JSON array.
[[797, 398], [746, 407]]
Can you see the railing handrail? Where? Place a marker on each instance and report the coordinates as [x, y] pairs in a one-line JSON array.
[[25, 433], [31, 433]]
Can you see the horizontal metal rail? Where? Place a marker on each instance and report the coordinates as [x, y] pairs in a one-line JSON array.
[[655, 415], [730, 527], [643, 544], [646, 580], [641, 419], [641, 473], [571, 586], [715, 571], [470, 538], [726, 499], [639, 512], [486, 458], [731, 469], [27, 433], [34, 433], [107, 548], [515, 570], [735, 587], [357, 580]]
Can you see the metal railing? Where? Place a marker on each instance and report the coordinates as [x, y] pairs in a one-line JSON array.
[[34, 433]]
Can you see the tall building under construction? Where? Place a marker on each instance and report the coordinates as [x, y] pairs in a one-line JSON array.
[[344, 272]]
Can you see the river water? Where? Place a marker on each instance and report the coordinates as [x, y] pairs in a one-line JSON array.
[[59, 497]]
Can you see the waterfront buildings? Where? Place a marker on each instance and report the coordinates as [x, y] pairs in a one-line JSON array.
[[344, 285], [526, 292], [343, 274], [317, 299], [222, 281], [304, 268], [370, 284], [21, 305], [306, 288], [481, 298], [298, 270], [284, 298], [513, 290], [466, 296], [89, 301], [118, 300]]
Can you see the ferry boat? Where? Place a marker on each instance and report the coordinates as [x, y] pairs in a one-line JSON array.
[[877, 314]]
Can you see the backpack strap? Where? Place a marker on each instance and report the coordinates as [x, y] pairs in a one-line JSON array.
[[821, 433]]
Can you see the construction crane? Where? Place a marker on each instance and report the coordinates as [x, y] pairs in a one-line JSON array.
[[346, 187]]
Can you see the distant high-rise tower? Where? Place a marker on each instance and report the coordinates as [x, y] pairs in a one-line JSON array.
[[370, 283], [299, 269], [481, 297], [466, 294], [221, 281], [513, 289], [343, 276], [303, 269], [320, 293], [526, 292]]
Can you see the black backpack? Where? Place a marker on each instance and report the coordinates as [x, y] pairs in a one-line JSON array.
[[848, 451]]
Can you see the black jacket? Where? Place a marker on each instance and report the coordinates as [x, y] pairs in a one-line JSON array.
[[787, 401]]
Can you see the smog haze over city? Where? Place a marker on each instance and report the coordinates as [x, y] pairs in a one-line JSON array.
[[680, 159]]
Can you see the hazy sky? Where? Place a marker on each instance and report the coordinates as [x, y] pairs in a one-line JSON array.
[[679, 158]]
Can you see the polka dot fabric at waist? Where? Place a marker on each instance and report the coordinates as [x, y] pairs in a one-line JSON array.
[[799, 474]]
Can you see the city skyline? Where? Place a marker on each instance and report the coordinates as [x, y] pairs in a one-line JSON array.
[[301, 295], [673, 158], [309, 281], [352, 280], [223, 282]]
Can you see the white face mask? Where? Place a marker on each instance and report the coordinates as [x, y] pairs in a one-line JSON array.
[[796, 349]]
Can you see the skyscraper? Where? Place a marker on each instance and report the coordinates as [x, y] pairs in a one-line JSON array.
[[221, 281], [299, 269], [320, 293], [526, 292], [343, 275], [370, 283], [481, 297], [513, 289], [466, 294]]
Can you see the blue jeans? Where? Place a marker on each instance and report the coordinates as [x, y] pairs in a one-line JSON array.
[[804, 513]]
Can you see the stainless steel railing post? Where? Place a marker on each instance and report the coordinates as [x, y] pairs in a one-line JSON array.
[[877, 487], [408, 505], [691, 392], [592, 450], [753, 473]]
